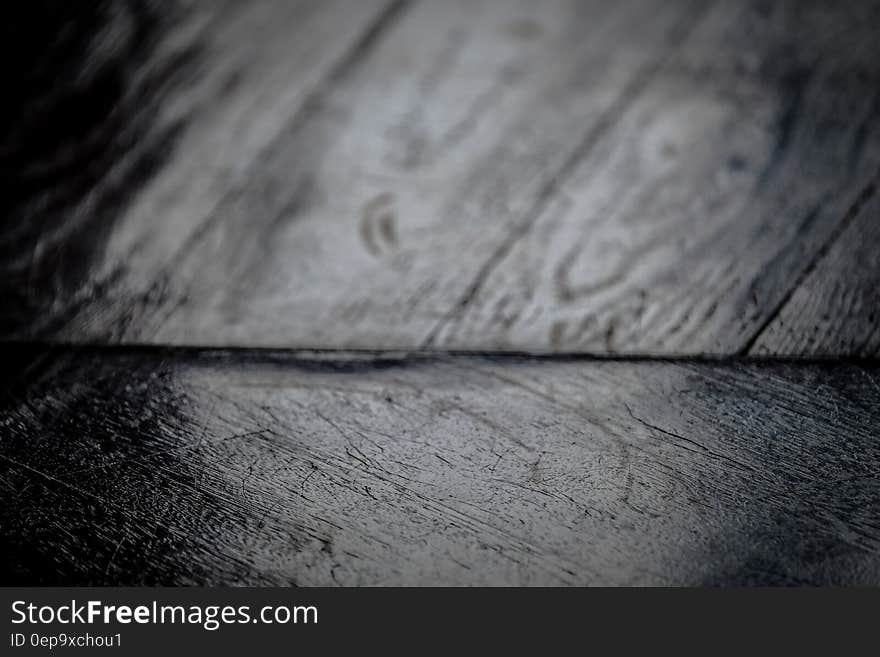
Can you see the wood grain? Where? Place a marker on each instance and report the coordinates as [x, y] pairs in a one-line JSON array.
[[181, 467], [376, 207], [195, 101], [627, 178], [836, 309], [687, 225]]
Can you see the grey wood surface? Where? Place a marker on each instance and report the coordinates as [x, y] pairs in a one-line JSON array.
[[198, 108], [446, 179], [374, 209], [565, 176], [836, 309], [697, 213], [174, 467]]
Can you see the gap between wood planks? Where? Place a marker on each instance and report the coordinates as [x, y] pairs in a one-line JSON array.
[[864, 197], [348, 60], [305, 353], [545, 195]]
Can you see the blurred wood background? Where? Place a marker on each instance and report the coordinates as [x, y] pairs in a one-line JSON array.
[[630, 177]]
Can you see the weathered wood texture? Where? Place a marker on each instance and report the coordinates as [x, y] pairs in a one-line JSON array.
[[166, 108], [558, 176], [377, 205], [569, 175], [837, 307], [371, 217], [144, 467], [701, 207]]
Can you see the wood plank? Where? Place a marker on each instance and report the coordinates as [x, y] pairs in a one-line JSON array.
[[196, 94], [372, 213], [699, 210], [478, 176], [177, 467], [836, 310]]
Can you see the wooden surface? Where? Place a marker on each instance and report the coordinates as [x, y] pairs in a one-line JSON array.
[[836, 309], [407, 188], [565, 176], [204, 96], [149, 467], [698, 211]]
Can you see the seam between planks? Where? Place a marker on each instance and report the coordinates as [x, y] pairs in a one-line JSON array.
[[862, 199], [337, 71], [608, 119], [366, 356]]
